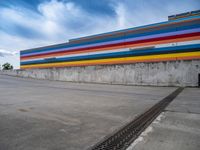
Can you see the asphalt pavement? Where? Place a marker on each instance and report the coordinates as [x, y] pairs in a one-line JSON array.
[[177, 128], [53, 115]]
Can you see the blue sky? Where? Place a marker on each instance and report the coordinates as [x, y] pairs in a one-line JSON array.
[[26, 24]]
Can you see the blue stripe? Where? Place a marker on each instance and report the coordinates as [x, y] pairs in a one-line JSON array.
[[144, 33], [23, 53], [196, 30], [140, 27], [120, 54], [126, 30]]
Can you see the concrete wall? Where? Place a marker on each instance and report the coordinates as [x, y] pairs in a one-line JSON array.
[[175, 73]]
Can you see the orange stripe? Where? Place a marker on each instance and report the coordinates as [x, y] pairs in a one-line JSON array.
[[167, 41], [130, 31], [118, 47], [123, 62]]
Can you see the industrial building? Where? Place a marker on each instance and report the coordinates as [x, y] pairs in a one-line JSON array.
[[176, 39]]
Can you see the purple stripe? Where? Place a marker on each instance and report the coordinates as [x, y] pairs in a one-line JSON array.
[[123, 40]]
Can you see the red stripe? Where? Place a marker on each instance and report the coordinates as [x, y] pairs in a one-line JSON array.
[[118, 47], [134, 30], [118, 44], [120, 62]]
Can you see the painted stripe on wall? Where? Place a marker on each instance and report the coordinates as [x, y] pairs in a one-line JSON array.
[[145, 29], [119, 50], [173, 49], [151, 58], [120, 47], [122, 39]]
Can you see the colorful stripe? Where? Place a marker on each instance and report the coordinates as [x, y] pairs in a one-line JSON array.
[[151, 51], [121, 41], [152, 58], [172, 40]]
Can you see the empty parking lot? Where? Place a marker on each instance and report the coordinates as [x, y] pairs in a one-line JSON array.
[[53, 115]]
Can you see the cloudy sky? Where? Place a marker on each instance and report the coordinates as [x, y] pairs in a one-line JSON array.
[[27, 24]]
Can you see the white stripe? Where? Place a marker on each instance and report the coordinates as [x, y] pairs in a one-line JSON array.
[[178, 43], [120, 50], [121, 40], [83, 54]]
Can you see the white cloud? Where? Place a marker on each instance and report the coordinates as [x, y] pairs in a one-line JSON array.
[[122, 20], [6, 53], [57, 21], [8, 56]]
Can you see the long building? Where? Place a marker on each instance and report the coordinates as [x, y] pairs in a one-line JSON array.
[[176, 39]]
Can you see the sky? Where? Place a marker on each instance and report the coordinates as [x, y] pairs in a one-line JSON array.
[[28, 24]]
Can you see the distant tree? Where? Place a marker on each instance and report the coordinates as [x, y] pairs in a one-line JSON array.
[[7, 66]]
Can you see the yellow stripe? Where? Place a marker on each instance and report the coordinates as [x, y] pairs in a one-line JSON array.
[[136, 58]]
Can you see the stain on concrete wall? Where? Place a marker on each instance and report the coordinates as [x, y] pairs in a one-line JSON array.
[[173, 73]]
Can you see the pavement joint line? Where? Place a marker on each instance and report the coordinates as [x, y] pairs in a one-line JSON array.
[[122, 138]]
